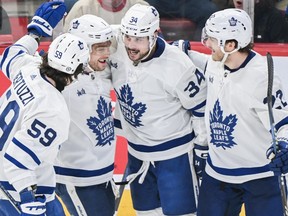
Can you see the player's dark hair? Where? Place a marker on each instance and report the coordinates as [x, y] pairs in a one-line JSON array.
[[61, 79], [246, 49]]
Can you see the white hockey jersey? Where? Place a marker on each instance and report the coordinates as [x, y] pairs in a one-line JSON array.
[[87, 157], [237, 119], [162, 102], [34, 121]]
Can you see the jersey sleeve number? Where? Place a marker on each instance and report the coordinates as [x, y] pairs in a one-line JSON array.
[[38, 130], [279, 95], [11, 113], [194, 88]]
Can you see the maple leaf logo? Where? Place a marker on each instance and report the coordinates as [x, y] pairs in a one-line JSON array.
[[221, 130], [131, 112], [103, 125]]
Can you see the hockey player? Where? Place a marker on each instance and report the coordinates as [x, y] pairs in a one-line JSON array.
[[34, 118], [85, 162], [159, 93], [237, 121]]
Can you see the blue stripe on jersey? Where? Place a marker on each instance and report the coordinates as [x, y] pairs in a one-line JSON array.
[[8, 65], [4, 56], [45, 190], [198, 114], [40, 189], [8, 94], [83, 173], [281, 123], [199, 106], [27, 150], [163, 146], [238, 171], [7, 186], [14, 161]]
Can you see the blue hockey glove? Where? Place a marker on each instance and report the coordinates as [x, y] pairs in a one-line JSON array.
[[32, 204], [279, 159], [200, 154], [46, 17], [183, 45]]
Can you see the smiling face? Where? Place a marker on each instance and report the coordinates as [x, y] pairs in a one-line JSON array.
[[137, 47], [212, 44], [100, 52]]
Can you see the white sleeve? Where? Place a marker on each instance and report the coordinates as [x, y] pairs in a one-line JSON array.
[[199, 59], [17, 55], [195, 91], [280, 106]]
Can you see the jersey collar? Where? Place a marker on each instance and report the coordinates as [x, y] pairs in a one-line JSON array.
[[160, 46], [248, 58]]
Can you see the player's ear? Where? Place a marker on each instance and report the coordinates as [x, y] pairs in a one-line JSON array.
[[156, 33]]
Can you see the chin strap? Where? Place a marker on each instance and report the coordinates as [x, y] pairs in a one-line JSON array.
[[152, 42], [226, 54]]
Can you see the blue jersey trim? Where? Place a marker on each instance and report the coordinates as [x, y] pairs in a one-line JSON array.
[[243, 65], [199, 106], [7, 186], [8, 65], [82, 173], [281, 123], [39, 190], [27, 150], [45, 190], [238, 171], [163, 146], [160, 46], [14, 161]]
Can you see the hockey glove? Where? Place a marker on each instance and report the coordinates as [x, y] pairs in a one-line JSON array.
[[32, 204], [200, 154], [183, 45], [279, 159], [46, 18]]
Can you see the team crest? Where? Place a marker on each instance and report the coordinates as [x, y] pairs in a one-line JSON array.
[[75, 24], [221, 129], [103, 125], [80, 45], [233, 21], [132, 112]]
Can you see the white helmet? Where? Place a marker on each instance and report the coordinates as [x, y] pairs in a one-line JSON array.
[[91, 28], [67, 52], [140, 21], [230, 24]]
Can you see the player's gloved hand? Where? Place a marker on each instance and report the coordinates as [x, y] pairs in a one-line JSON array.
[[183, 45], [279, 159], [200, 154], [46, 18], [32, 204]]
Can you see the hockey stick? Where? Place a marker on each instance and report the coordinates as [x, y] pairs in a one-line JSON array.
[[281, 179], [195, 179], [121, 188], [11, 199]]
